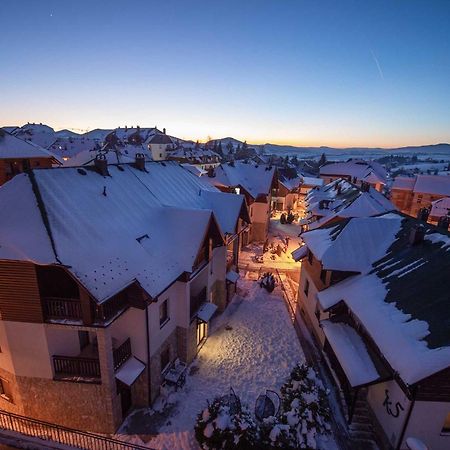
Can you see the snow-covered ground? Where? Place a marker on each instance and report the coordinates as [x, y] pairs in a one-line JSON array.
[[252, 347]]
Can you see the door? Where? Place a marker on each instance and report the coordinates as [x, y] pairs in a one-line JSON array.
[[125, 397], [202, 329]]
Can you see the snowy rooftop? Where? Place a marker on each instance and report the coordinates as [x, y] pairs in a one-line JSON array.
[[440, 207], [401, 299], [404, 183], [255, 179], [427, 184], [369, 171], [341, 199], [114, 230], [13, 147]]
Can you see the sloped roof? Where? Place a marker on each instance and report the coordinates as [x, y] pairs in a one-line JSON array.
[[255, 179], [433, 184], [111, 231], [440, 207], [160, 138], [38, 134], [404, 183], [13, 147], [369, 171], [403, 301]]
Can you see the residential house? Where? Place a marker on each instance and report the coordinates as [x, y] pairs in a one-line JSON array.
[[110, 276], [17, 156], [202, 158], [411, 194], [374, 292], [356, 171], [256, 183], [440, 210], [342, 199]]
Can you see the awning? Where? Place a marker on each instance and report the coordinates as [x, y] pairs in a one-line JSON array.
[[232, 276], [351, 353], [300, 253], [130, 371], [206, 311]]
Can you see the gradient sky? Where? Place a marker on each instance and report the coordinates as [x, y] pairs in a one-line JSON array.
[[337, 72]]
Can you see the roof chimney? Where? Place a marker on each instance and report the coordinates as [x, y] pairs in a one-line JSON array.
[[365, 186], [423, 214], [444, 222], [139, 161], [164, 131], [101, 164], [416, 234]]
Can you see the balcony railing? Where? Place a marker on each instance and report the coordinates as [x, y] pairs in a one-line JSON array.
[[197, 300], [121, 354], [76, 367], [110, 308], [62, 308]]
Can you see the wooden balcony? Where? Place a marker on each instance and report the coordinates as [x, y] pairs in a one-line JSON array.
[[76, 368], [58, 308], [121, 354], [111, 308], [197, 300]]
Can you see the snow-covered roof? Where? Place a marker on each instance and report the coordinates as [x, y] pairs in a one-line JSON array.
[[38, 134], [12, 147], [114, 230], [196, 170], [401, 299], [353, 245], [72, 146], [440, 207], [312, 181], [426, 184], [130, 371], [342, 199], [255, 179], [351, 352], [160, 138], [369, 171]]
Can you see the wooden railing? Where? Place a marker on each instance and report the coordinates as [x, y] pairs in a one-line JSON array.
[[45, 433], [121, 354], [75, 366], [110, 308], [61, 308], [197, 300]]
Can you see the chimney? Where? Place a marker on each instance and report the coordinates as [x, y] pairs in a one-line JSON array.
[[365, 186], [338, 189], [101, 164], [444, 222], [416, 234], [423, 214], [164, 131], [139, 161]]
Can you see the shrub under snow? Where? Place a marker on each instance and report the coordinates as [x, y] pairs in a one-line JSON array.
[[218, 428]]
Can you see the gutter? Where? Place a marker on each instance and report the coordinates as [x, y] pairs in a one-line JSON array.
[[149, 379]]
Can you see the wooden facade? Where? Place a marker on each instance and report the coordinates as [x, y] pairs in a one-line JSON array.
[[11, 167]]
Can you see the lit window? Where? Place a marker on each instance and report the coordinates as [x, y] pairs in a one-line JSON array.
[[164, 313]]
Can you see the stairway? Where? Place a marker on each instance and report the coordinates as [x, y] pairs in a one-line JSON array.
[[361, 431]]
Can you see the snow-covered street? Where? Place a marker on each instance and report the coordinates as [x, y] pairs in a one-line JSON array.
[[252, 347]]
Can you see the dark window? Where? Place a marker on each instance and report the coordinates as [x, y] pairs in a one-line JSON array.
[[165, 359], [323, 276], [83, 337], [164, 312], [4, 390], [306, 289], [310, 257]]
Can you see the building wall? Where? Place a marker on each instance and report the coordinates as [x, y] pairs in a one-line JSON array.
[[33, 163], [392, 426], [158, 151], [260, 217], [426, 422], [402, 199], [422, 200]]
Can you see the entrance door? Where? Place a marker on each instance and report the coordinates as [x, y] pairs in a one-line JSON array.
[[125, 397], [202, 329]]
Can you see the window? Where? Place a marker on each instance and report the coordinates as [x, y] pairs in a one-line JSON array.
[[165, 359], [446, 427], [310, 257], [306, 289], [5, 390], [164, 312], [323, 276]]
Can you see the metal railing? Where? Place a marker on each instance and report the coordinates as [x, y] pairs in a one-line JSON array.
[[75, 366], [62, 308], [110, 308], [38, 429], [121, 354]]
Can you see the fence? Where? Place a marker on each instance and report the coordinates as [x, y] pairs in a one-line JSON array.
[[62, 435]]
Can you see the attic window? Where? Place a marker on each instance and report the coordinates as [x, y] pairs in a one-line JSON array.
[[142, 238], [81, 171]]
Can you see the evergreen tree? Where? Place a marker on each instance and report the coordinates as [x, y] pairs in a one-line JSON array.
[[219, 149], [244, 146], [322, 160], [230, 147]]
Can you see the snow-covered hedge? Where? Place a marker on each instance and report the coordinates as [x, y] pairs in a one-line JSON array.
[[304, 417], [305, 413], [218, 428]]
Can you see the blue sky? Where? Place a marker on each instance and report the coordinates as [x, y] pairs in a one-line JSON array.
[[342, 73]]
